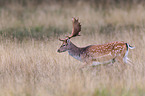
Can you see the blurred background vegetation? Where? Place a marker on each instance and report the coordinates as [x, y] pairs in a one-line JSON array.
[[42, 19], [93, 2]]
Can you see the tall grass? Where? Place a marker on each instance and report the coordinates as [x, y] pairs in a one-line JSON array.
[[32, 67]]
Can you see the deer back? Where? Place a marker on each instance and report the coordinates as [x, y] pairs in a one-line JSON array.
[[104, 52]]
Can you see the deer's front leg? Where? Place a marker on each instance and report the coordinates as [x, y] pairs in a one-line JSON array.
[[83, 66]]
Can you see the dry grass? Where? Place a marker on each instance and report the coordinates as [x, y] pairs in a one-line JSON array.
[[34, 68]]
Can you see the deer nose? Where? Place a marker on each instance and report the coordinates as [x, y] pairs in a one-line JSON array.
[[58, 50]]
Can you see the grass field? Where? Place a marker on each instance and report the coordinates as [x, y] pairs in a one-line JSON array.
[[31, 66]]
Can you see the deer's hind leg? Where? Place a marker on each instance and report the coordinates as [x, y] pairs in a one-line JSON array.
[[112, 62], [122, 66], [120, 59]]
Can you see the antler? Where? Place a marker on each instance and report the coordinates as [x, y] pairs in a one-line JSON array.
[[76, 28], [61, 39], [75, 31]]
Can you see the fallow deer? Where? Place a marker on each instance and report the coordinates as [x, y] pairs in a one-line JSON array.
[[95, 54]]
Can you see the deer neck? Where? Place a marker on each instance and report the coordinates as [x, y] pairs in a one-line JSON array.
[[75, 51]]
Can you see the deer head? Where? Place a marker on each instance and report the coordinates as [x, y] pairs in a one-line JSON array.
[[75, 32]]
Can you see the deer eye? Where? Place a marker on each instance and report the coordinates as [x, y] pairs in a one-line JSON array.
[[63, 45]]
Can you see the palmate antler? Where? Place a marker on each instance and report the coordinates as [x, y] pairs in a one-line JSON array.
[[75, 31], [76, 28]]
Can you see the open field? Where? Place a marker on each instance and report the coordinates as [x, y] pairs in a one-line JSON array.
[[30, 65]]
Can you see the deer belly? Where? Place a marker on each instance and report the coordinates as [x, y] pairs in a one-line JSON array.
[[102, 58], [104, 62]]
